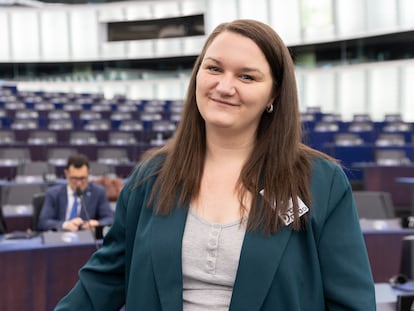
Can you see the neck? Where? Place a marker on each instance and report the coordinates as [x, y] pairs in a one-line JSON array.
[[224, 147]]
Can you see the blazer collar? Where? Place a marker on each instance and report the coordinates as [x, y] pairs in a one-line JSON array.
[[259, 259], [167, 234]]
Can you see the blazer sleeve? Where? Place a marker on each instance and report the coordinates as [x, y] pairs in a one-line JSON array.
[[346, 273], [49, 218], [101, 284], [102, 280]]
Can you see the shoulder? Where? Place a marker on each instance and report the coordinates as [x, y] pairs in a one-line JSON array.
[[331, 190], [56, 189], [324, 170], [143, 176], [147, 168], [95, 187]]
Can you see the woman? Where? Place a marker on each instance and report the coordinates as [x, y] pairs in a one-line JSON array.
[[234, 213]]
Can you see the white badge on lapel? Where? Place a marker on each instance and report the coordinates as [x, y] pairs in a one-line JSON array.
[[288, 217]]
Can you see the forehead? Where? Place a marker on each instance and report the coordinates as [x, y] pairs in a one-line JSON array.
[[78, 171], [233, 46]]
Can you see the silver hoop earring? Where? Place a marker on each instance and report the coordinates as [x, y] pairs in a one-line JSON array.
[[269, 109]]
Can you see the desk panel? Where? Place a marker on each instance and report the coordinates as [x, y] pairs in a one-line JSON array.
[[384, 251], [382, 178], [38, 276]]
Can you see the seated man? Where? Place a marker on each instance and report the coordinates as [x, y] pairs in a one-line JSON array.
[[78, 204]]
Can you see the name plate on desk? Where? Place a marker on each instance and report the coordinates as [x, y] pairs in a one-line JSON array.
[[61, 237]]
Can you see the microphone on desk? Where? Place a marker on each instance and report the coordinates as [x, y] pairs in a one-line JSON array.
[[80, 193]]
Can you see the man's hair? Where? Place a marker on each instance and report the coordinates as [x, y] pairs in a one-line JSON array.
[[77, 161]]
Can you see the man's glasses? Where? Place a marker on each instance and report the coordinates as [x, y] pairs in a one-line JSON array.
[[80, 178]]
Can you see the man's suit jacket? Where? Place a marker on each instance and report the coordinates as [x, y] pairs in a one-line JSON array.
[[324, 267], [53, 212]]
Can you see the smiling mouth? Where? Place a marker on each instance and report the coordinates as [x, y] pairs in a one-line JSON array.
[[223, 102]]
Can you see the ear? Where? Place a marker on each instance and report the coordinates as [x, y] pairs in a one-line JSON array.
[[271, 102]]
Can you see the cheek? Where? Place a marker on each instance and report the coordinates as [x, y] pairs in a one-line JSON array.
[[205, 82]]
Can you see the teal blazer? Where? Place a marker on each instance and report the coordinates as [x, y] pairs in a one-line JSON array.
[[324, 267]]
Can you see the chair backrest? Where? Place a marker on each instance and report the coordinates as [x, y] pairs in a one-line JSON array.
[[348, 139], [361, 126], [131, 125], [83, 138], [391, 157], [390, 139], [60, 124], [37, 202], [37, 171], [24, 124], [326, 127], [99, 169], [7, 137], [374, 205], [122, 138], [42, 137], [361, 117], [97, 125], [20, 194], [397, 127], [59, 156], [112, 156], [14, 156]]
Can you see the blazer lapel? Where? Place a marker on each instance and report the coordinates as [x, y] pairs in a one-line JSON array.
[[167, 234], [259, 260], [86, 203], [63, 203]]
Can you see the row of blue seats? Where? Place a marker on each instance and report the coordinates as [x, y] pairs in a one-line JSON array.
[[157, 124], [319, 139]]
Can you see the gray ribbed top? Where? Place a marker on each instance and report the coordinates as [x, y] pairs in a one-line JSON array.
[[210, 257]]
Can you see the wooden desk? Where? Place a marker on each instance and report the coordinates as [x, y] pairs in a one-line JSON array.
[[38, 276], [34, 276], [410, 182], [384, 251], [382, 178]]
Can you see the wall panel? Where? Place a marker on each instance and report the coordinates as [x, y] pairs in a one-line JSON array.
[[25, 39], [285, 19], [55, 35], [254, 9], [5, 33], [84, 32]]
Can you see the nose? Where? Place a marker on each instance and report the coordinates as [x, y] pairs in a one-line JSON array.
[[225, 85]]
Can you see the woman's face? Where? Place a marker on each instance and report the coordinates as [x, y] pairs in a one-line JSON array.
[[234, 84]]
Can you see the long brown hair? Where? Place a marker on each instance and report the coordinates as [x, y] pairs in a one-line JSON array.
[[279, 164]]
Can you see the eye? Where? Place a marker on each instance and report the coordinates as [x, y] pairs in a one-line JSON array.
[[247, 77], [213, 68]]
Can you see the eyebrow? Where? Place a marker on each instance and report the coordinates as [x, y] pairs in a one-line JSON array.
[[243, 69]]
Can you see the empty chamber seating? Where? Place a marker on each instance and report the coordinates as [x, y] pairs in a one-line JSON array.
[[374, 204], [14, 156], [7, 137], [112, 156], [42, 137], [37, 171], [386, 139], [391, 157], [99, 169], [59, 156], [121, 138], [17, 198], [83, 138], [348, 139]]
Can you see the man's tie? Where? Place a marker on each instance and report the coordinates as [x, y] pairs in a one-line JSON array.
[[74, 211]]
